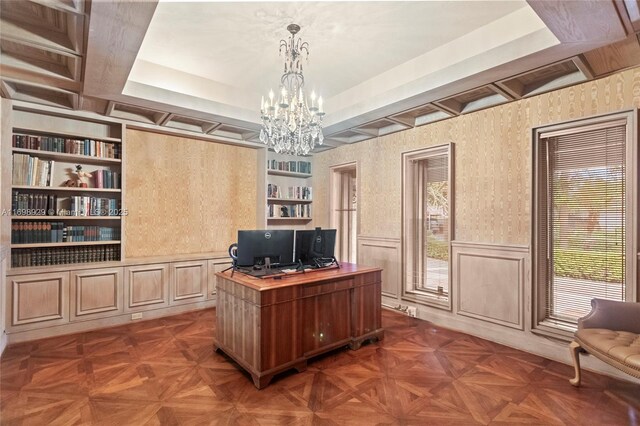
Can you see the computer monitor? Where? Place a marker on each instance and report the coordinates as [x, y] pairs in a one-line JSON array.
[[319, 243], [254, 247]]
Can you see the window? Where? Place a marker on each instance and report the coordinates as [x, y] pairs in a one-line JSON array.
[[583, 238], [427, 225]]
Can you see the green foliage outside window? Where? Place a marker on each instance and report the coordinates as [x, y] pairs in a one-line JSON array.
[[437, 249]]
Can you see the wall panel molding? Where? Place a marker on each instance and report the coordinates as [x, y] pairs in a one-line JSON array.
[[146, 285], [490, 282], [37, 298], [95, 293], [384, 253]]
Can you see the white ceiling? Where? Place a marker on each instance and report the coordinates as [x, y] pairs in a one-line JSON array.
[[236, 44], [219, 58]]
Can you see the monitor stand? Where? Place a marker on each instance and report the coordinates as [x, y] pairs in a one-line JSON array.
[[325, 262]]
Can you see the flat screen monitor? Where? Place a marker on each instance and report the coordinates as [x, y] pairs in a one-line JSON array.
[[315, 244], [255, 246]]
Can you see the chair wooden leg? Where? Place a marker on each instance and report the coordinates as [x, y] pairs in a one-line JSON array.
[[575, 350]]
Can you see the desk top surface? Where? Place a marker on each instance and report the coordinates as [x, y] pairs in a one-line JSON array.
[[346, 270]]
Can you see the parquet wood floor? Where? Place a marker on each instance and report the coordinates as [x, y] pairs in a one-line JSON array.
[[164, 372]]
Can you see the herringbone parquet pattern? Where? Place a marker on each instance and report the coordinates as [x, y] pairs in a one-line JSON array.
[[165, 372]]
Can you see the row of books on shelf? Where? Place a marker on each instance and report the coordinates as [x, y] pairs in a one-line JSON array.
[[106, 179], [292, 192], [32, 171], [82, 205], [29, 204], [290, 166], [64, 255], [293, 211], [88, 147], [58, 232]]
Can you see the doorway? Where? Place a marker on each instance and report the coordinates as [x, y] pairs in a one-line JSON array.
[[344, 210]]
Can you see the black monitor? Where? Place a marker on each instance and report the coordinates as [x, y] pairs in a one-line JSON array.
[[254, 247], [319, 243]]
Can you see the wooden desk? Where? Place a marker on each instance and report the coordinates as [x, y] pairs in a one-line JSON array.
[[269, 326]]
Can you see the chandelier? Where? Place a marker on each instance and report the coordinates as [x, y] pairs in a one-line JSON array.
[[289, 124]]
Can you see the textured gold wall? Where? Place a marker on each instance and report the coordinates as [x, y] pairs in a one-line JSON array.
[[186, 195], [492, 161]]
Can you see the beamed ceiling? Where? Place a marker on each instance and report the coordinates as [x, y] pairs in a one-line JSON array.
[[201, 67]]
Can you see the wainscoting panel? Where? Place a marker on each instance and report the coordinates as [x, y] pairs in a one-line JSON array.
[[490, 281], [95, 293], [383, 253], [37, 300]]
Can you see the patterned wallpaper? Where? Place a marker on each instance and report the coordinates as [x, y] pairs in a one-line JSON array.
[[492, 161], [186, 195]]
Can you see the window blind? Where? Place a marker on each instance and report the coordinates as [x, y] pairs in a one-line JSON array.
[[585, 221], [435, 223]]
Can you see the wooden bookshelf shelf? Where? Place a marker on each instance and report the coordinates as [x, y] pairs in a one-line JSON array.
[[65, 189], [66, 217], [288, 192], [66, 244], [69, 158], [286, 173], [34, 132], [35, 127], [288, 201]]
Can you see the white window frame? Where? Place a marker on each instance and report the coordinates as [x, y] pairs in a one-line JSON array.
[[410, 231], [540, 324]]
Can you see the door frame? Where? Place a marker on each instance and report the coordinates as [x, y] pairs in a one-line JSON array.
[[334, 193]]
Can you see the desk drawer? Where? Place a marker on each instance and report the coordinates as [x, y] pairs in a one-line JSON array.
[[368, 278], [326, 287]]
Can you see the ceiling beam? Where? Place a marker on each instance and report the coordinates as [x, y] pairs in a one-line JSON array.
[[404, 122], [110, 106], [116, 32], [581, 21], [211, 128], [163, 119]]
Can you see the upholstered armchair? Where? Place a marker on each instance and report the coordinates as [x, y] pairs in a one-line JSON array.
[[610, 332]]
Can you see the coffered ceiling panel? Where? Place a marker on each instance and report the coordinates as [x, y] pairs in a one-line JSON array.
[[191, 124], [39, 94], [473, 100], [422, 115]]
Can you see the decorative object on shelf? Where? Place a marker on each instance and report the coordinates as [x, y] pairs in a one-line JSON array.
[[289, 124], [83, 177]]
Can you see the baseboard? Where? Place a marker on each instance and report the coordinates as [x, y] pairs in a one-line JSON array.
[[14, 337], [3, 342]]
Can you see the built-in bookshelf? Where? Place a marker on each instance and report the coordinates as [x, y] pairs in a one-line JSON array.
[[289, 194], [66, 189]]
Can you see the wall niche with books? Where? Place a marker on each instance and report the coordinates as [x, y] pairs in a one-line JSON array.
[[65, 187], [289, 192]]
